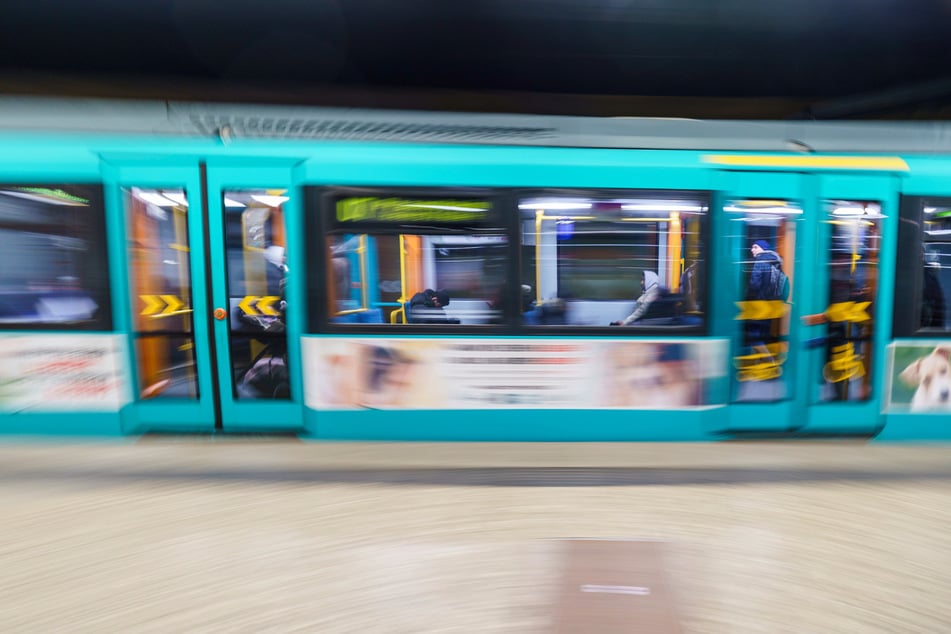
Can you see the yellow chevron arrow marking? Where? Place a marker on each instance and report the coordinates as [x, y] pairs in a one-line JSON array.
[[848, 311], [246, 305], [760, 309], [152, 304], [174, 304], [264, 305]]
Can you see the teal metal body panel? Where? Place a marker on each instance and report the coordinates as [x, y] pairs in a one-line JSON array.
[[508, 425]]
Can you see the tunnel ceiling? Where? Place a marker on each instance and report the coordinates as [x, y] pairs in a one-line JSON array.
[[858, 53]]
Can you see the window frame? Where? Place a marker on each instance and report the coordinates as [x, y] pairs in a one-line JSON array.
[[705, 197], [320, 223]]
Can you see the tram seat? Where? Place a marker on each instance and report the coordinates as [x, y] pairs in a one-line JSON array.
[[470, 311], [550, 312], [666, 310], [426, 316], [17, 306], [370, 316]]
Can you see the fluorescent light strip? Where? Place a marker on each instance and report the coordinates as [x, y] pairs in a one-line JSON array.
[[656, 207], [270, 201], [790, 211], [156, 199], [554, 205], [176, 197]]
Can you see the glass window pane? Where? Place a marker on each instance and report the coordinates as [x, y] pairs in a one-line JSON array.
[[854, 244], [256, 245], [936, 267], [53, 263], [762, 238], [621, 261], [160, 278], [417, 279]]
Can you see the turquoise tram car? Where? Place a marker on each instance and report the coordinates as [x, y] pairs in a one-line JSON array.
[[339, 274]]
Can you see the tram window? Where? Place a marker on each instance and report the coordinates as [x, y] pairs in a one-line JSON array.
[[53, 265], [599, 261], [855, 241], [762, 237], [427, 260], [936, 268], [923, 272], [159, 260]]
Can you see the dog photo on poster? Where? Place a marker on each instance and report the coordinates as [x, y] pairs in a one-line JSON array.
[[920, 377]]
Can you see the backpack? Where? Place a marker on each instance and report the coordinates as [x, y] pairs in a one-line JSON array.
[[778, 284]]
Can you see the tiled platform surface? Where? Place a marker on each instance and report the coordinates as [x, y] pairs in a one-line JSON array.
[[251, 535]]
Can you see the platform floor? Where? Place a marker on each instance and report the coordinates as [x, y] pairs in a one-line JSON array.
[[250, 535]]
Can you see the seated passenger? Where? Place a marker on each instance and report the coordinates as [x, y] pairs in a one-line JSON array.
[[427, 307], [650, 291]]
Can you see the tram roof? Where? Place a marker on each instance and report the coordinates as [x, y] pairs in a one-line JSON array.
[[290, 123]]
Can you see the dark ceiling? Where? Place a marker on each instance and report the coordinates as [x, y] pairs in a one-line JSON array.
[[860, 56]]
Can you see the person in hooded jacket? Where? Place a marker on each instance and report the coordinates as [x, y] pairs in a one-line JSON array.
[[764, 259], [759, 331], [427, 307], [650, 291]]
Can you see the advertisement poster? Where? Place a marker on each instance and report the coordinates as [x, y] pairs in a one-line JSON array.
[[394, 373], [919, 377], [50, 373]]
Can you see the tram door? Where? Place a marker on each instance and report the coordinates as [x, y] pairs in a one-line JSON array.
[[207, 294], [811, 259]]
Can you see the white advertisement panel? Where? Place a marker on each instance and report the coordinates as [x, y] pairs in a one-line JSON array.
[[61, 372], [537, 373]]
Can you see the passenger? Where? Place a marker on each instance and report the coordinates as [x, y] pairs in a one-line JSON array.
[[427, 307], [763, 287], [650, 291], [761, 278]]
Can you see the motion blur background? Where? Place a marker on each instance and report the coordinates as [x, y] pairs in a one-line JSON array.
[[249, 533], [674, 58]]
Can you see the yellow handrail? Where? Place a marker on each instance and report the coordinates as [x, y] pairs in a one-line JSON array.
[[399, 311]]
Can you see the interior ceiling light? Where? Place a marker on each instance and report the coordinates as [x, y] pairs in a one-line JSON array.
[[270, 201], [156, 199], [555, 205], [176, 197]]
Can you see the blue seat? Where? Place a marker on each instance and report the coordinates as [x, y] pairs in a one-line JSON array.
[[370, 316]]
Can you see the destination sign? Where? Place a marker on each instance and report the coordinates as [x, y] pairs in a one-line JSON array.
[[401, 210]]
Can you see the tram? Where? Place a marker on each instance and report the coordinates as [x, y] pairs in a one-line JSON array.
[[173, 267]]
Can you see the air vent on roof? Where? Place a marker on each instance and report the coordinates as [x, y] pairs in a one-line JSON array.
[[365, 130]]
